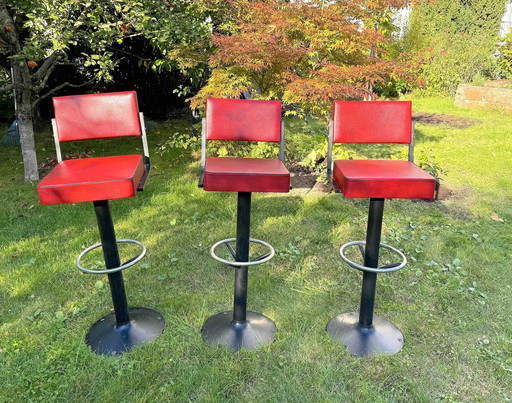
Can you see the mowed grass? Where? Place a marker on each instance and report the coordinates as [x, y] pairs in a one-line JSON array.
[[452, 301]]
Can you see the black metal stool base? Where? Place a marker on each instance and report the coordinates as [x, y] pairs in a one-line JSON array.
[[382, 337], [256, 331], [106, 337]]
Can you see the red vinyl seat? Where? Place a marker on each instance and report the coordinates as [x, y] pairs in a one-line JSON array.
[[243, 120], [99, 180], [95, 116], [366, 334], [246, 175], [377, 122], [90, 179], [383, 179]]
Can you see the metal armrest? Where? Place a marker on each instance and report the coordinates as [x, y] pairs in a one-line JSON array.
[[142, 182], [201, 179], [334, 185]]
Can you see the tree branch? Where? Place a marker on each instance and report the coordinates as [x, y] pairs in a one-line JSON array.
[[11, 86], [48, 64], [7, 88], [49, 71], [58, 88], [126, 53]]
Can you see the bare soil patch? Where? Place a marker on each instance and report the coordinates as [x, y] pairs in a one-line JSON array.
[[445, 193], [300, 180], [304, 181], [454, 122]]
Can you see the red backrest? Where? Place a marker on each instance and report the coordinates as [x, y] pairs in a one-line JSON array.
[[241, 119], [372, 122], [96, 116]]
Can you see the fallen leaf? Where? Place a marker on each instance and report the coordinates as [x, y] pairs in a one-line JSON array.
[[496, 217]]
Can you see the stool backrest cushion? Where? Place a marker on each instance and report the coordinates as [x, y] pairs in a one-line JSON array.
[[243, 120], [96, 116], [372, 122]]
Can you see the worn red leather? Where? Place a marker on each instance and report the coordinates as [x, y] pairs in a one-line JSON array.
[[383, 179], [377, 122], [372, 122], [95, 116], [243, 120], [90, 179], [246, 175]]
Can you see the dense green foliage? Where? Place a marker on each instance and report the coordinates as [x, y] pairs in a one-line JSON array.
[[505, 57], [36, 37], [460, 37], [56, 27]]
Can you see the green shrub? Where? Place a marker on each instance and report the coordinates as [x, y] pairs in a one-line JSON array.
[[505, 58], [428, 162], [305, 145], [458, 38], [6, 99], [189, 138], [458, 60]]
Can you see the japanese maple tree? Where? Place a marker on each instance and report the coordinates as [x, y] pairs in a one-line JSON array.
[[307, 52]]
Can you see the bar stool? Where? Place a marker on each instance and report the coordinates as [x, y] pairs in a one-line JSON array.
[[242, 120], [96, 116], [373, 122]]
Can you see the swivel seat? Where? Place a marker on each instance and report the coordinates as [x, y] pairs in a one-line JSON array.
[[242, 120], [373, 122], [97, 116]]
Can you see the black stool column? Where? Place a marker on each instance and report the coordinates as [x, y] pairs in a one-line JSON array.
[[240, 328], [124, 328], [111, 256], [243, 226], [367, 334], [371, 259]]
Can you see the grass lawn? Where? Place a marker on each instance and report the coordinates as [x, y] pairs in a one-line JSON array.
[[452, 301]]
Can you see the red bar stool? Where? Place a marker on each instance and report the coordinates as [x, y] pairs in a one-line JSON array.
[[242, 120], [83, 117], [373, 122]]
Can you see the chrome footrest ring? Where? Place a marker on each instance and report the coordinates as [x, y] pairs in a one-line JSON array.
[[129, 263], [384, 269], [271, 253]]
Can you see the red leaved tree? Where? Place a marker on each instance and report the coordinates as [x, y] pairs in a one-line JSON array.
[[307, 53]]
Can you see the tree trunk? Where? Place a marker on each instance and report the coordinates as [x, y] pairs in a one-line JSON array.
[[25, 126]]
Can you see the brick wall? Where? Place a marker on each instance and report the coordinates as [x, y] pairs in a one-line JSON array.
[[472, 97]]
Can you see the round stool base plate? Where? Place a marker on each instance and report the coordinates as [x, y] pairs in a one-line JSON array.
[[381, 338], [256, 331], [106, 337]]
